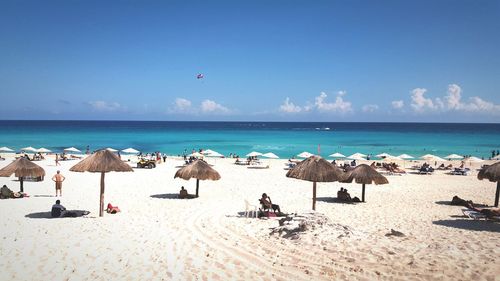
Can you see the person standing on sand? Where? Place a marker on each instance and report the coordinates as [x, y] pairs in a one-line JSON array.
[[58, 179], [57, 160]]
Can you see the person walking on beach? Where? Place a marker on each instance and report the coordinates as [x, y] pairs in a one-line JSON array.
[[58, 179], [57, 160]]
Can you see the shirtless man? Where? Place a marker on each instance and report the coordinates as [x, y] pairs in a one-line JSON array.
[[58, 179]]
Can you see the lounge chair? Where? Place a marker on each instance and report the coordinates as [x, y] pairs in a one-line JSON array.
[[473, 214], [249, 208], [478, 215]]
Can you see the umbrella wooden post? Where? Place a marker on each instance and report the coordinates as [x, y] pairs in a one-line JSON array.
[[22, 189], [363, 194], [197, 186], [101, 205], [497, 194], [314, 196]]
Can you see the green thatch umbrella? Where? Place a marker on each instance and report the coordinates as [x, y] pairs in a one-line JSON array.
[[365, 174], [492, 173], [102, 161], [316, 169], [199, 170], [22, 168]]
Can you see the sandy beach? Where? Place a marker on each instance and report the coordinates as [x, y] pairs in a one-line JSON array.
[[159, 237]]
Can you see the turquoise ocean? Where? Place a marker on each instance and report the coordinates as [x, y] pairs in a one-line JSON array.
[[285, 139]]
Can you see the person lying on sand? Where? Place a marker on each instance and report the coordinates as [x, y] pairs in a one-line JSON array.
[[489, 212], [112, 209], [268, 204]]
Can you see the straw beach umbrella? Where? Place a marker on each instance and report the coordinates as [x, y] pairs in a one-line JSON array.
[[102, 161], [22, 167], [316, 169], [492, 173], [365, 174], [199, 170]]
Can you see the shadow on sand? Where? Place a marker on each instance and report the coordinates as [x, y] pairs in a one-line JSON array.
[[448, 203], [469, 224], [334, 200], [171, 196], [48, 215]]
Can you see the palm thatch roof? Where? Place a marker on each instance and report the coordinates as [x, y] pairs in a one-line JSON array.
[[102, 161], [316, 169], [365, 174], [22, 167], [199, 169], [492, 173]]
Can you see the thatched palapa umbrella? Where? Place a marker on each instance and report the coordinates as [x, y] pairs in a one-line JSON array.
[[102, 161], [199, 170], [365, 174], [22, 168], [316, 169], [492, 173]]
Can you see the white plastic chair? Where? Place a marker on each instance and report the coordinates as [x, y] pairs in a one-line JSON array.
[[249, 208]]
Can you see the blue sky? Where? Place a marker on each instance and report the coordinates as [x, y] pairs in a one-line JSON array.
[[431, 61]]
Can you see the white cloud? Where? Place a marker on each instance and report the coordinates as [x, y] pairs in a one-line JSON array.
[[369, 108], [453, 97], [289, 107], [420, 103], [182, 105], [397, 104], [452, 101], [339, 105], [209, 106], [106, 106]]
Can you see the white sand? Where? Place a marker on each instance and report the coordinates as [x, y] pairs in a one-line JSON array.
[[158, 238]]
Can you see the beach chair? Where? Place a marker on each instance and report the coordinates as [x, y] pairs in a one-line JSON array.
[[249, 208], [473, 214]]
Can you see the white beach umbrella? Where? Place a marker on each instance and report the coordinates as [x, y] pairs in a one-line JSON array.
[[196, 154], [305, 154], [130, 150], [208, 151], [111, 149], [44, 150], [30, 148], [5, 149], [383, 155], [430, 157], [271, 155], [454, 156], [474, 159], [213, 154], [337, 155], [253, 154], [357, 156], [72, 149], [405, 156], [391, 158]]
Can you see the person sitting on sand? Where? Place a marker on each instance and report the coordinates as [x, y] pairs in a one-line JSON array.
[[268, 204], [57, 210], [343, 195], [6, 193], [488, 212], [183, 193], [112, 209]]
